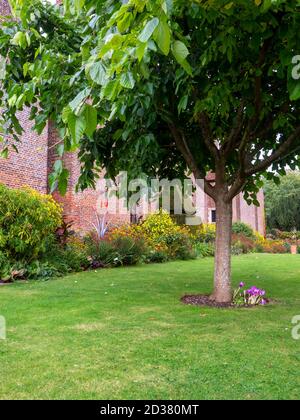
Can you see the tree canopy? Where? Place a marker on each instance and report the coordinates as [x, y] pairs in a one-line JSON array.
[[283, 203], [171, 82]]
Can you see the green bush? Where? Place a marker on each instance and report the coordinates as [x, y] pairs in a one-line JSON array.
[[240, 228], [242, 244], [118, 250], [157, 256], [66, 259], [204, 250], [27, 219], [129, 251]]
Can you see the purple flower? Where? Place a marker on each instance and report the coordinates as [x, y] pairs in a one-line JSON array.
[[242, 285], [263, 302]]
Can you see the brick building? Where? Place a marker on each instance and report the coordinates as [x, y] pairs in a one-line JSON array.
[[32, 166]]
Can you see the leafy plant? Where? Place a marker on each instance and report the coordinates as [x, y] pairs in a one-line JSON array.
[[101, 225], [27, 220], [204, 233], [244, 229], [130, 251], [205, 249], [65, 232], [102, 253]]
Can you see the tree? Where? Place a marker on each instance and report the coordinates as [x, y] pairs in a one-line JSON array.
[[211, 86], [283, 203]]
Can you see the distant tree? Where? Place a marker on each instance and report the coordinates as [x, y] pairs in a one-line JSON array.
[[283, 203], [203, 85]]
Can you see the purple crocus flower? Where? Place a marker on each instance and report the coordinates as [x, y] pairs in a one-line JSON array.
[[242, 285], [263, 302]]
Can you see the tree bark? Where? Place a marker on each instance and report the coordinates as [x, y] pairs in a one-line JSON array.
[[222, 281]]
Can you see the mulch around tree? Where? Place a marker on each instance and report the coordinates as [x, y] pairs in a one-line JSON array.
[[204, 300]]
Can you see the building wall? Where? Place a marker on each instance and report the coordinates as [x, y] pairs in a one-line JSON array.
[[4, 8], [79, 207], [28, 167]]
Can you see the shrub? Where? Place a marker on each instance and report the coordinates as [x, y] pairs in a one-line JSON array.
[[242, 244], [164, 235], [274, 247], [163, 238], [101, 252], [27, 219], [58, 260], [204, 250], [130, 251], [204, 233], [157, 256], [243, 229]]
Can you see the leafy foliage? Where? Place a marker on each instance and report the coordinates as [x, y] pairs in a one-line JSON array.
[[283, 203], [27, 220], [244, 229]]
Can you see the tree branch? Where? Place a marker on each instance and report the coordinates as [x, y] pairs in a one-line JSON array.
[[183, 147], [236, 131], [208, 135], [275, 156]]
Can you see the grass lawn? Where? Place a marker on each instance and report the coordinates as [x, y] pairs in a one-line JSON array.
[[123, 334]]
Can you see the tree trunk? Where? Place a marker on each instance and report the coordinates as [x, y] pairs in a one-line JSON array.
[[222, 282]]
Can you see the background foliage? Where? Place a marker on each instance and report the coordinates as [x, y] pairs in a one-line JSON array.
[[283, 203]]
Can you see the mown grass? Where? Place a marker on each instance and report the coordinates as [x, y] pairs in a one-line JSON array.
[[123, 334]]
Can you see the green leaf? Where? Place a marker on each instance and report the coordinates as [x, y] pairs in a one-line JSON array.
[[20, 40], [4, 153], [63, 181], [180, 51], [295, 92], [97, 73], [77, 126], [78, 101], [124, 23], [127, 80], [148, 30], [2, 68], [91, 120], [183, 104], [110, 91], [162, 36], [140, 51]]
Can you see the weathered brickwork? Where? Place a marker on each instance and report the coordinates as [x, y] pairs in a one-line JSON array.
[[29, 167], [34, 162]]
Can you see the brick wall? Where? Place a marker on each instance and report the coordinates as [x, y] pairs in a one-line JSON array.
[[79, 207], [29, 166], [4, 7]]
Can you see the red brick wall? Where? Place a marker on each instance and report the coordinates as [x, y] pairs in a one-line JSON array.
[[29, 166], [4, 7], [80, 208]]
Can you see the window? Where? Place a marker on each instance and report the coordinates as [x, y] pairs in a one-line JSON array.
[[213, 216]]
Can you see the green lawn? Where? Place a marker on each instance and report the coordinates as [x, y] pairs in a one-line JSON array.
[[123, 334]]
